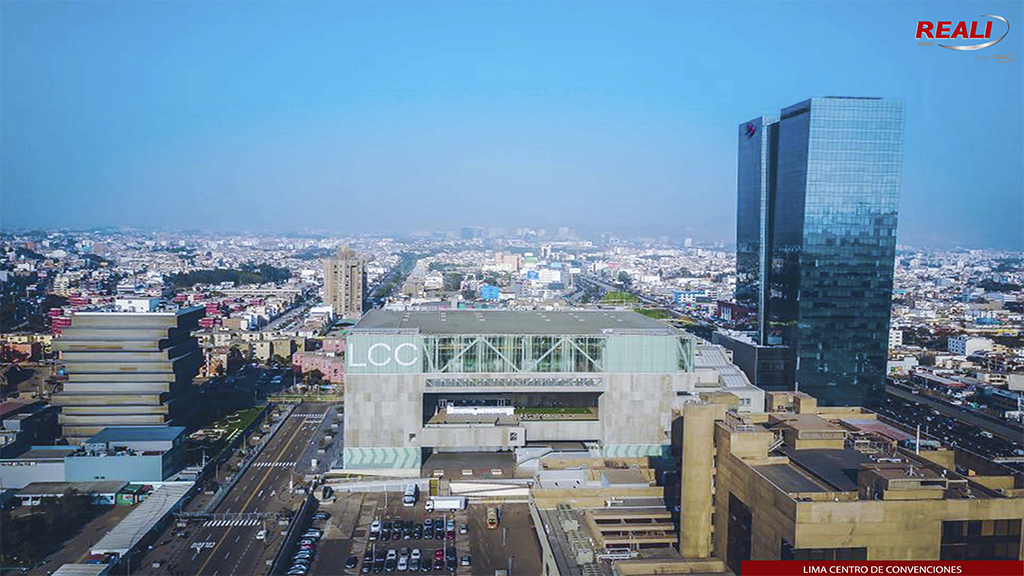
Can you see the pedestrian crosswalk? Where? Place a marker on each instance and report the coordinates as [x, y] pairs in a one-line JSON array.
[[275, 464], [239, 522], [310, 416]]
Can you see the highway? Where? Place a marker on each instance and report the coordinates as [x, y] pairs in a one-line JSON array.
[[985, 423], [228, 547]]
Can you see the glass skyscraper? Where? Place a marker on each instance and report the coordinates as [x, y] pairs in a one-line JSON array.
[[818, 193]]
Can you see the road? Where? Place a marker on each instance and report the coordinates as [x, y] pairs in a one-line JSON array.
[[228, 547], [1005, 432], [378, 294], [290, 317]]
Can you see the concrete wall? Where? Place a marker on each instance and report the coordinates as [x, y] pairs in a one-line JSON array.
[[890, 530], [21, 474], [128, 468], [483, 437], [386, 410]]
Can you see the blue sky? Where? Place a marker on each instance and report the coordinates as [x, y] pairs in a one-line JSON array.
[[376, 117]]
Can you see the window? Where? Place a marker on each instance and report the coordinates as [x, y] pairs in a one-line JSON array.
[[787, 552], [980, 539]]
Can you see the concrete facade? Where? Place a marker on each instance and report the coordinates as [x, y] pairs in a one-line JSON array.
[[606, 383], [126, 369], [343, 284], [811, 483]]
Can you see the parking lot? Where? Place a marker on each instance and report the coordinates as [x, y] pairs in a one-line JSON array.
[[468, 548]]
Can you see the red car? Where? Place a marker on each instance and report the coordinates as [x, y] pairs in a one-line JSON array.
[[439, 554]]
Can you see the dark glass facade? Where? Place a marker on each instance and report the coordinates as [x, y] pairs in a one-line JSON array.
[[818, 193]]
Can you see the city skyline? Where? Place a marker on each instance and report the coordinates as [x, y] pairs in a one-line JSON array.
[[511, 288], [599, 119]]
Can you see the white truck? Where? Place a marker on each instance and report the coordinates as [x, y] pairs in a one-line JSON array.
[[446, 503], [412, 492]]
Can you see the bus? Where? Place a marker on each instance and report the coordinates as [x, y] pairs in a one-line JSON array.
[[412, 491]]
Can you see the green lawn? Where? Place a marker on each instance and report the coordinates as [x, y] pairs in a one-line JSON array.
[[239, 420], [656, 313], [617, 297]]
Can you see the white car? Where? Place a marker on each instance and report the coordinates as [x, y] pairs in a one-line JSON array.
[[415, 554], [403, 564]]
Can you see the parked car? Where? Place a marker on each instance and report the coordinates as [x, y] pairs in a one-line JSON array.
[[352, 561], [463, 528], [466, 560]]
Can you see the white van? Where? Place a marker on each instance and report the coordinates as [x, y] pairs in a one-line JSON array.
[[412, 491]]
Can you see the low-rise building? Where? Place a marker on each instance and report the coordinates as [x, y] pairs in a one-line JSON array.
[[966, 345], [130, 454]]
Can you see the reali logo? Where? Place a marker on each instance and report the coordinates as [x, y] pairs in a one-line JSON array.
[[950, 30]]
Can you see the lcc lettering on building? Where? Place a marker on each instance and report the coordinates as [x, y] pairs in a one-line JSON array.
[[381, 354]]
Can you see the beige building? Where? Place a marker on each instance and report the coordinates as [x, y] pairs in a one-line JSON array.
[[127, 369], [802, 482], [343, 284], [607, 517]]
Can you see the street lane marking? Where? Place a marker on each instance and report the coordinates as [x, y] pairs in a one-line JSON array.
[[280, 452], [238, 522]]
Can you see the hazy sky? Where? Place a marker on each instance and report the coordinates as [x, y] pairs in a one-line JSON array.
[[371, 117]]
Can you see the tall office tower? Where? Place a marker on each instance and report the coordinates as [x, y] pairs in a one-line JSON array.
[[343, 284], [127, 369], [818, 192]]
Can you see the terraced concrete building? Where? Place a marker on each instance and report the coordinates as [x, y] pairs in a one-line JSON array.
[[126, 369], [419, 383]]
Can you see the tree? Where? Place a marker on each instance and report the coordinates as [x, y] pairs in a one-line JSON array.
[[314, 377]]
